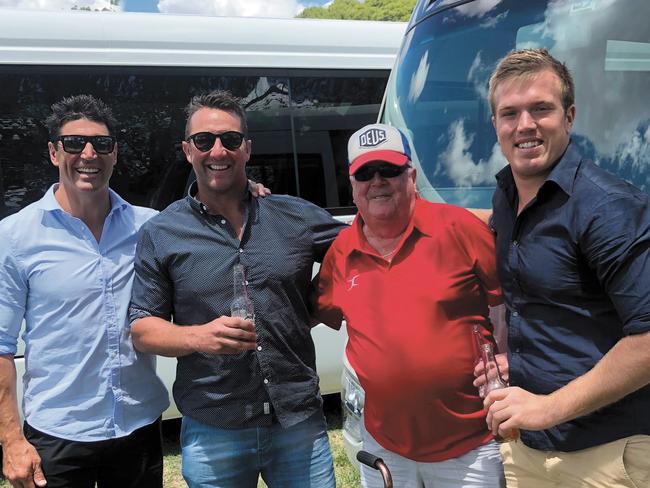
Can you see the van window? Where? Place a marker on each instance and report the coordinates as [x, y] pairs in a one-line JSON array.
[[299, 121]]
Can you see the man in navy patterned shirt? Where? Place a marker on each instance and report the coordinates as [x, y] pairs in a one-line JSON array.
[[248, 391]]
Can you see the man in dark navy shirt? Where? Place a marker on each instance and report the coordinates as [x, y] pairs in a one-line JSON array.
[[574, 263], [248, 391]]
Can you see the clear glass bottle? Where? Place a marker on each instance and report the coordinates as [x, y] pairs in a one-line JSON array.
[[242, 305], [479, 340], [493, 377], [495, 381]]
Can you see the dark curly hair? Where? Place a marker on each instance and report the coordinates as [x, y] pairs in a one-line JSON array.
[[80, 107]]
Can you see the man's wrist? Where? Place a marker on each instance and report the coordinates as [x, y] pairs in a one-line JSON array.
[[191, 342], [557, 411], [11, 435]]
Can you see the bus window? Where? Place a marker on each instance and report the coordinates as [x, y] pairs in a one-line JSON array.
[[305, 156], [324, 120]]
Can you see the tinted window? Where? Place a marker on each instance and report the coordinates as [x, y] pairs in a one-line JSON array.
[[438, 91], [152, 169], [324, 120]]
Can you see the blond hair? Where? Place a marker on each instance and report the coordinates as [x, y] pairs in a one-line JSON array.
[[529, 62]]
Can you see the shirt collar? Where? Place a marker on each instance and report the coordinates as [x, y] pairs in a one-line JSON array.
[[49, 203], [358, 241], [563, 173], [203, 209]]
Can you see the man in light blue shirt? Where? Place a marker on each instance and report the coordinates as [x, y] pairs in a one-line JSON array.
[[92, 404]]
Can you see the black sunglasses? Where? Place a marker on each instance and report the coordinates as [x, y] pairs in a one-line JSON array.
[[367, 173], [75, 144], [204, 141]]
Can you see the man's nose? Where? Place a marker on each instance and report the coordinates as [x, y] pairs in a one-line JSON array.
[[526, 121], [89, 151], [217, 148], [376, 179]]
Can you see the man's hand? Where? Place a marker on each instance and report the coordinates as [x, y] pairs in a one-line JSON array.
[[22, 464], [512, 408], [223, 335], [258, 189], [479, 370]]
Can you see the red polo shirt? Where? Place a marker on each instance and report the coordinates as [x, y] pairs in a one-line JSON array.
[[409, 324]]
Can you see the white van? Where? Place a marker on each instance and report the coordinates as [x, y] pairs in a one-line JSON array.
[[307, 86]]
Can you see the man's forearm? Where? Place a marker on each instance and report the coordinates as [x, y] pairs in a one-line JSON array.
[[21, 463], [623, 370], [154, 335], [9, 418]]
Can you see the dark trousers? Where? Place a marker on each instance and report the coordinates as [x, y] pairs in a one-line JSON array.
[[131, 461]]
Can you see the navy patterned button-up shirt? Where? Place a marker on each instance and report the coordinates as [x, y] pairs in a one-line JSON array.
[[184, 264]]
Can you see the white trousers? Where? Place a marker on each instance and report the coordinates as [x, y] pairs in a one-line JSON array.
[[479, 468]]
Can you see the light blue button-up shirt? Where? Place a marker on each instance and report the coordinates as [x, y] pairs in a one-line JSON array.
[[84, 380]]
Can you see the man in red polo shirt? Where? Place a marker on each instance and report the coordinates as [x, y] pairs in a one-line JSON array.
[[411, 278]]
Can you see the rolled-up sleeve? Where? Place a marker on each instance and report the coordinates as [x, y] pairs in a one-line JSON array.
[[324, 228], [152, 288], [13, 295], [617, 244]]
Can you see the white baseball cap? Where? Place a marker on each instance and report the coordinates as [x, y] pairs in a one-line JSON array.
[[377, 142]]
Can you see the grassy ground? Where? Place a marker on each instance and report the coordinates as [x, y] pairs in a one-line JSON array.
[[346, 475]]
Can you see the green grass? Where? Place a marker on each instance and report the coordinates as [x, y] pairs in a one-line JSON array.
[[346, 475]]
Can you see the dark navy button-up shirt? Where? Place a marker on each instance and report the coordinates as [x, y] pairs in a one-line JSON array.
[[575, 272], [184, 271]]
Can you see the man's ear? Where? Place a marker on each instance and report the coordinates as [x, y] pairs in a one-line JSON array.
[[186, 150], [248, 148], [570, 116], [51, 149], [413, 174]]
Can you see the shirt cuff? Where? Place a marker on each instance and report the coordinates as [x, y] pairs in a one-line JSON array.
[[137, 314]]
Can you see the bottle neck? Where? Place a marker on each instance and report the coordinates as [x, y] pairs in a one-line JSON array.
[[241, 305], [239, 281], [492, 373]]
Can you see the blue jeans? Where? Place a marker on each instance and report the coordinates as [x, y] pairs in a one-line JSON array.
[[298, 456]]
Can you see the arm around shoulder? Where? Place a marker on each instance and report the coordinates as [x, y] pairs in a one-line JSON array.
[[324, 308]]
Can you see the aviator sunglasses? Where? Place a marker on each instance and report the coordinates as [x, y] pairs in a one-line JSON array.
[[75, 144], [204, 141], [367, 173]]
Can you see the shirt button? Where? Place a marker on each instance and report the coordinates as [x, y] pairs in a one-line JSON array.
[[515, 314], [266, 381], [515, 243], [223, 221], [259, 348], [241, 250]]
